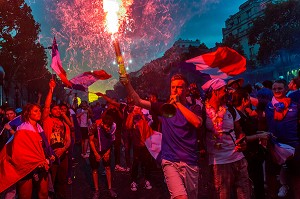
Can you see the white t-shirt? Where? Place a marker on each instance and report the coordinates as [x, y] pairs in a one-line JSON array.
[[83, 119], [221, 150]]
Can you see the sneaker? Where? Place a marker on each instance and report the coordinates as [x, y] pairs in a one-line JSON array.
[[127, 169], [147, 185], [85, 155], [70, 181], [119, 168], [96, 195], [283, 191], [133, 186], [112, 193]]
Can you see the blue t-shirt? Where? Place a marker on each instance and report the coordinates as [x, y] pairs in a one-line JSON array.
[[179, 137], [295, 96], [285, 130]]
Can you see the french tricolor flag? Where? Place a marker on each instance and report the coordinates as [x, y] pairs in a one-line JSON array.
[[84, 80], [222, 63], [56, 65], [152, 139], [21, 156]]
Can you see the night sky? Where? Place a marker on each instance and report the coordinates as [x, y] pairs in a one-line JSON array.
[[151, 27]]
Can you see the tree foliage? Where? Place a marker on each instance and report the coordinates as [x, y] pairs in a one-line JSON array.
[[21, 55], [232, 42], [277, 31]]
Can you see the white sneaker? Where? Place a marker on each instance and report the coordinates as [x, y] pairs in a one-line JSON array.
[[283, 190], [133, 186], [85, 155], [147, 185], [119, 168]]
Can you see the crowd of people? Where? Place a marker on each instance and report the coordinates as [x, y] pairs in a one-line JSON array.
[[249, 134]]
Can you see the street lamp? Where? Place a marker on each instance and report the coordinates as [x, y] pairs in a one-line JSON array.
[[17, 96], [2, 75]]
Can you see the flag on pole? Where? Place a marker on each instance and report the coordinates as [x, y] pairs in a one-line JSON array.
[[84, 80], [56, 65], [223, 63]]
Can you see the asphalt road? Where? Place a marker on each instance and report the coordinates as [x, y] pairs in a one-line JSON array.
[[82, 186]]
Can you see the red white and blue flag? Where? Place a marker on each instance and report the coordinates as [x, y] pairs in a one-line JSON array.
[[17, 121], [151, 138], [222, 63], [56, 65], [21, 156], [84, 80]]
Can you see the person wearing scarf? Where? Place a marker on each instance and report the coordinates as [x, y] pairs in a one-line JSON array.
[[282, 116]]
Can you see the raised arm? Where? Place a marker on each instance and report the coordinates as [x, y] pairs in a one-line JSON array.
[[46, 111], [39, 98], [109, 100], [132, 93], [190, 116]]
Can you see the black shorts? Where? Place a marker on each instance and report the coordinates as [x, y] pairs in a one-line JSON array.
[[41, 172], [84, 133], [106, 160]]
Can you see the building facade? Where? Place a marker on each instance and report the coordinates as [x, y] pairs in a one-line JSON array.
[[239, 25]]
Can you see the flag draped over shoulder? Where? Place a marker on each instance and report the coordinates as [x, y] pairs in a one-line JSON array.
[[84, 80], [21, 156], [56, 65], [17, 121], [222, 63], [152, 139]]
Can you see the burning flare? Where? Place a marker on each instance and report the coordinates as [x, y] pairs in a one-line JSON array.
[[111, 7]]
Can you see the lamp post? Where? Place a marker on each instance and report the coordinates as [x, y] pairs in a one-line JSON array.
[[2, 75], [17, 96]]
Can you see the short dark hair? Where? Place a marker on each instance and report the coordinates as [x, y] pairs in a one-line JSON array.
[[180, 76], [267, 84], [281, 81], [296, 81], [10, 109], [107, 119], [238, 96], [54, 104]]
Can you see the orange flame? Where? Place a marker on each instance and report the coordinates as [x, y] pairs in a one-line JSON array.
[[111, 7]]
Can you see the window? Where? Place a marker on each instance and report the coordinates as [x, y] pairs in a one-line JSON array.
[[248, 12], [251, 51]]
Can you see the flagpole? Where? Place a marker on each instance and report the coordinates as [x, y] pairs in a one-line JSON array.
[[52, 75]]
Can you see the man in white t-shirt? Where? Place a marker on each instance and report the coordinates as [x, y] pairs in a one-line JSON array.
[[227, 162]]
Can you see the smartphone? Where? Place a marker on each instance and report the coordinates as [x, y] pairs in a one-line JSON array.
[[240, 140]]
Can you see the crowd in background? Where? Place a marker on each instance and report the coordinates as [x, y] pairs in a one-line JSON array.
[[236, 126]]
